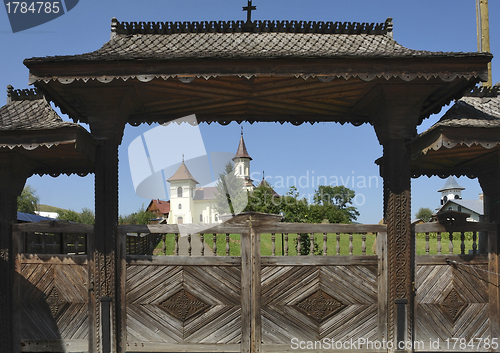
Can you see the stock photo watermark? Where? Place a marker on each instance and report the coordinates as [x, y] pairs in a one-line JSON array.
[[28, 14]]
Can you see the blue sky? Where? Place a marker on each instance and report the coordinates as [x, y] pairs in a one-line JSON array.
[[332, 152]]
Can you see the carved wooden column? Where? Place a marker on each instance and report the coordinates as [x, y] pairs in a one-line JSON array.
[[400, 240], [105, 334], [12, 180]]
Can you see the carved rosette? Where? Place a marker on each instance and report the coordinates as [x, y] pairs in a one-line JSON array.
[[54, 301], [183, 305], [320, 306], [454, 303]]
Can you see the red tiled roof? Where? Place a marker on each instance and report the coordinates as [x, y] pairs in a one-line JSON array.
[[163, 206]]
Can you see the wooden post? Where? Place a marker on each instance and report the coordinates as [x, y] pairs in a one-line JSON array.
[[483, 33], [246, 286], [400, 240], [382, 286], [12, 179], [102, 254], [256, 333]]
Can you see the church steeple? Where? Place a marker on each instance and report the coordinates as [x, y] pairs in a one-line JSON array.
[[242, 149], [242, 163]]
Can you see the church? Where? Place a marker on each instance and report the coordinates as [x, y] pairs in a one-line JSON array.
[[451, 200], [192, 204]]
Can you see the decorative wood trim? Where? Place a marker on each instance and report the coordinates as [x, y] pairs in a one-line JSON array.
[[257, 26], [382, 285], [400, 239]]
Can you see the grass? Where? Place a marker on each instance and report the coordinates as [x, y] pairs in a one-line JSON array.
[[266, 244]]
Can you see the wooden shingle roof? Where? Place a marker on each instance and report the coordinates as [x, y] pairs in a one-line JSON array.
[[464, 140], [32, 131]]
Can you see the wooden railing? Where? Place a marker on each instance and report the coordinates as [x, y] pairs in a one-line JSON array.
[[52, 237], [277, 239], [470, 238]]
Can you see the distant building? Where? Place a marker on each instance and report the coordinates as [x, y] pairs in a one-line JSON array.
[[451, 199], [160, 209], [53, 215], [191, 204]]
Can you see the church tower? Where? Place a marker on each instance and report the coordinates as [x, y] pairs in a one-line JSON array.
[[182, 192], [451, 191], [242, 164]]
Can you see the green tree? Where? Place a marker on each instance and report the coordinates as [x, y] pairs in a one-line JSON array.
[[87, 216], [336, 202], [28, 200], [264, 199], [71, 216], [293, 208], [424, 213], [140, 217], [231, 197]]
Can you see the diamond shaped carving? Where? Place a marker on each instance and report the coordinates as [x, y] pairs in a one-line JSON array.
[[183, 305], [54, 301], [454, 303], [320, 305]]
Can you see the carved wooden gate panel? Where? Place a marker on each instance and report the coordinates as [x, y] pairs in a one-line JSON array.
[[53, 299], [318, 302], [179, 302], [452, 302]]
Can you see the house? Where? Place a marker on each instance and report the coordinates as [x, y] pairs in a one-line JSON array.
[[192, 204], [160, 209], [451, 200]]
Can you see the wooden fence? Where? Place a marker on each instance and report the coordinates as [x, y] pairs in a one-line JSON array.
[[210, 288]]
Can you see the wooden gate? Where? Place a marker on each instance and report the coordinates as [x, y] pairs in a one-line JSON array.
[[456, 302], [51, 290], [250, 302]]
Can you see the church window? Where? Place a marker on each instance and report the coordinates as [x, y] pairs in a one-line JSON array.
[[457, 197], [241, 170], [201, 218], [179, 191], [445, 198], [459, 208], [180, 206], [217, 218]]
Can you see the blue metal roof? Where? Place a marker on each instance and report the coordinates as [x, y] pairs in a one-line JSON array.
[[451, 183], [27, 217]]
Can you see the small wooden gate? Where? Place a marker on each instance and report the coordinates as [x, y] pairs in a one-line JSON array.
[[51, 290], [456, 302]]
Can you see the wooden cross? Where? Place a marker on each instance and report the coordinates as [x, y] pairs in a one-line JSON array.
[[249, 9]]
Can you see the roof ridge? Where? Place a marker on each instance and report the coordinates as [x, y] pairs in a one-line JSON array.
[[27, 94], [258, 26]]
